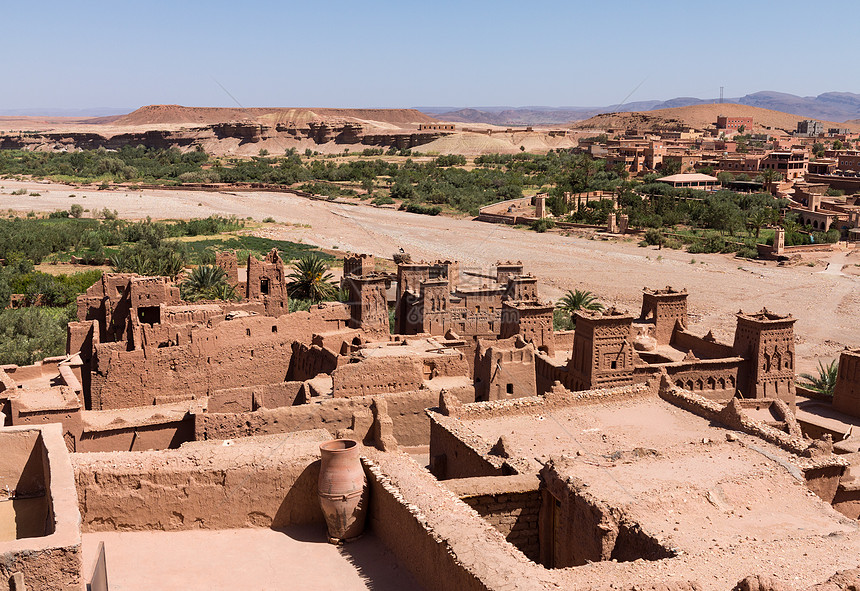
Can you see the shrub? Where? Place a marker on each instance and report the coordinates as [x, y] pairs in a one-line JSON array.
[[746, 252], [76, 210], [654, 237], [269, 220], [542, 225], [382, 200], [413, 207]]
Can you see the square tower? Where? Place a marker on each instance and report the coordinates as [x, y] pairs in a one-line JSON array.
[[358, 264], [435, 297], [846, 396], [766, 341], [508, 269], [368, 303], [664, 308], [522, 288], [267, 281], [602, 350], [227, 261], [530, 320]]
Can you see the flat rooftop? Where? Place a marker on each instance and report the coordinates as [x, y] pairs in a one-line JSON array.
[[294, 558], [715, 500]]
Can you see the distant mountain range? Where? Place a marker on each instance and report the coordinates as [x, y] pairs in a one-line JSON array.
[[829, 106], [60, 112]]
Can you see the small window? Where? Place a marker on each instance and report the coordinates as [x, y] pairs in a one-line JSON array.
[[248, 331], [264, 286], [274, 328], [614, 365], [510, 389]]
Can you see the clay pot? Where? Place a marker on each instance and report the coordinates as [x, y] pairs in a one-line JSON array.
[[342, 490]]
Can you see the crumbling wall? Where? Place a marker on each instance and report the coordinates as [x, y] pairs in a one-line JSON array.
[[52, 561], [250, 398], [261, 482], [166, 432], [578, 528], [43, 570], [410, 422], [233, 353], [703, 347], [308, 361], [378, 375], [457, 452], [443, 542], [511, 504]]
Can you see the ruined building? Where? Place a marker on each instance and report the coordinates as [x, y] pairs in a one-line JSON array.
[[567, 457], [432, 299]]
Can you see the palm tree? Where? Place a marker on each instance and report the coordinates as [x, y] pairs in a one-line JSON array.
[[758, 219], [575, 300], [311, 280], [825, 382], [770, 177], [207, 282]]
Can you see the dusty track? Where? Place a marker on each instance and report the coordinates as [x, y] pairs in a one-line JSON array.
[[827, 305]]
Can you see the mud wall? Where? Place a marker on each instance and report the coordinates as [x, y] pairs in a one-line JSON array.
[[249, 398], [130, 437], [379, 375], [687, 341], [261, 482], [51, 561], [456, 452], [410, 423], [427, 556], [511, 504], [579, 529], [43, 569], [234, 353]]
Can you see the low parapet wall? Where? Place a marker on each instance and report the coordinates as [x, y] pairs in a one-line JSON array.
[[51, 561], [444, 542], [259, 482], [406, 410], [511, 504]]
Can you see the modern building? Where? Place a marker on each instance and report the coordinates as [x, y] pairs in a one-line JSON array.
[[691, 180], [733, 124]]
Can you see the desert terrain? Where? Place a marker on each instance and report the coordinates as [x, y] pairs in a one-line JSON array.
[[701, 116], [823, 298]]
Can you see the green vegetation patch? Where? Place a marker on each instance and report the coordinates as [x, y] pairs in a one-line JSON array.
[[203, 251]]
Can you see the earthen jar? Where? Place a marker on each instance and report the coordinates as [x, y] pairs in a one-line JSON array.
[[342, 490]]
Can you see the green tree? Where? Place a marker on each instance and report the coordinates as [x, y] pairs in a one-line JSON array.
[[823, 383], [758, 219], [575, 300], [311, 280], [670, 167], [770, 177], [76, 210], [837, 145], [818, 149], [207, 282]]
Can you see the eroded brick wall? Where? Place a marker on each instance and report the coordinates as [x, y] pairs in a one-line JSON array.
[[515, 515]]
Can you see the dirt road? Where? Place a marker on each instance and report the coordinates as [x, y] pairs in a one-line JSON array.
[[827, 305]]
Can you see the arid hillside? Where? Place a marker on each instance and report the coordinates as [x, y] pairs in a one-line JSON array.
[[699, 117], [153, 115]]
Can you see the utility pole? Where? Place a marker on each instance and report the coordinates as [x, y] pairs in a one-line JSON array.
[[721, 95]]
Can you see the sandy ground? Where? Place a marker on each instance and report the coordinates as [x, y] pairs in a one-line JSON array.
[[827, 305], [296, 558], [700, 116]]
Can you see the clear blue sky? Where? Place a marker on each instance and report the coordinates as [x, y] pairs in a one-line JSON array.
[[401, 54]]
